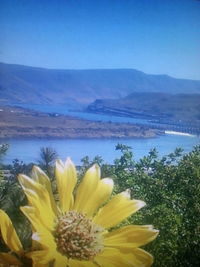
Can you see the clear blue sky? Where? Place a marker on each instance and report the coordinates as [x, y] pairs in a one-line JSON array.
[[154, 36]]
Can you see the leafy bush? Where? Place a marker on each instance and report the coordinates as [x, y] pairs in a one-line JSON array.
[[171, 188]]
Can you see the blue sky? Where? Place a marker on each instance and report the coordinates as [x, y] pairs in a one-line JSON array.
[[154, 36]]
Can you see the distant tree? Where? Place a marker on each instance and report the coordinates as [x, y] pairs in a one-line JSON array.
[[98, 160], [3, 150], [18, 167], [126, 160], [47, 159], [85, 162]]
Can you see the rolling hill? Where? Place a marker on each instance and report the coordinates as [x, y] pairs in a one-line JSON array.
[[160, 106], [23, 84]]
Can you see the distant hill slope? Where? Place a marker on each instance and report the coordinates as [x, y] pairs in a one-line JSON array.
[[167, 107], [22, 84]]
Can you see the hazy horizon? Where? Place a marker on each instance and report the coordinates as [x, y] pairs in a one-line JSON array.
[[152, 36]]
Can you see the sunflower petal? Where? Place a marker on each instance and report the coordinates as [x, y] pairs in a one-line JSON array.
[[39, 176], [130, 236], [112, 257], [35, 264], [40, 258], [6, 258], [118, 209], [39, 198], [138, 256], [66, 180], [43, 257], [77, 263], [99, 196], [46, 240], [60, 261], [87, 187], [9, 234], [32, 216], [43, 211]]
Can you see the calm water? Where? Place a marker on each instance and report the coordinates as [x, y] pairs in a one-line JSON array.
[[28, 150]]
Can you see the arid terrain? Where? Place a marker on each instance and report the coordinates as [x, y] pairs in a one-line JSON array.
[[22, 123]]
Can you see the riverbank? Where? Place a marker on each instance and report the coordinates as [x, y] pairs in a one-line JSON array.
[[23, 123]]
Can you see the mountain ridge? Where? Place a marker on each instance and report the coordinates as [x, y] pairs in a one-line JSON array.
[[26, 84]]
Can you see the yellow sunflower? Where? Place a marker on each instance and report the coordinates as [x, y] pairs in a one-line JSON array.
[[76, 232], [17, 256]]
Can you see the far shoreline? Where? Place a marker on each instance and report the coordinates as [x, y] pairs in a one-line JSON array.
[[20, 123], [22, 138]]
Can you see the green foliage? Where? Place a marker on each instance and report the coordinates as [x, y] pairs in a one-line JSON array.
[[171, 188], [18, 167], [11, 199]]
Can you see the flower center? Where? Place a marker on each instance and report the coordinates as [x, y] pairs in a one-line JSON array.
[[78, 237]]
